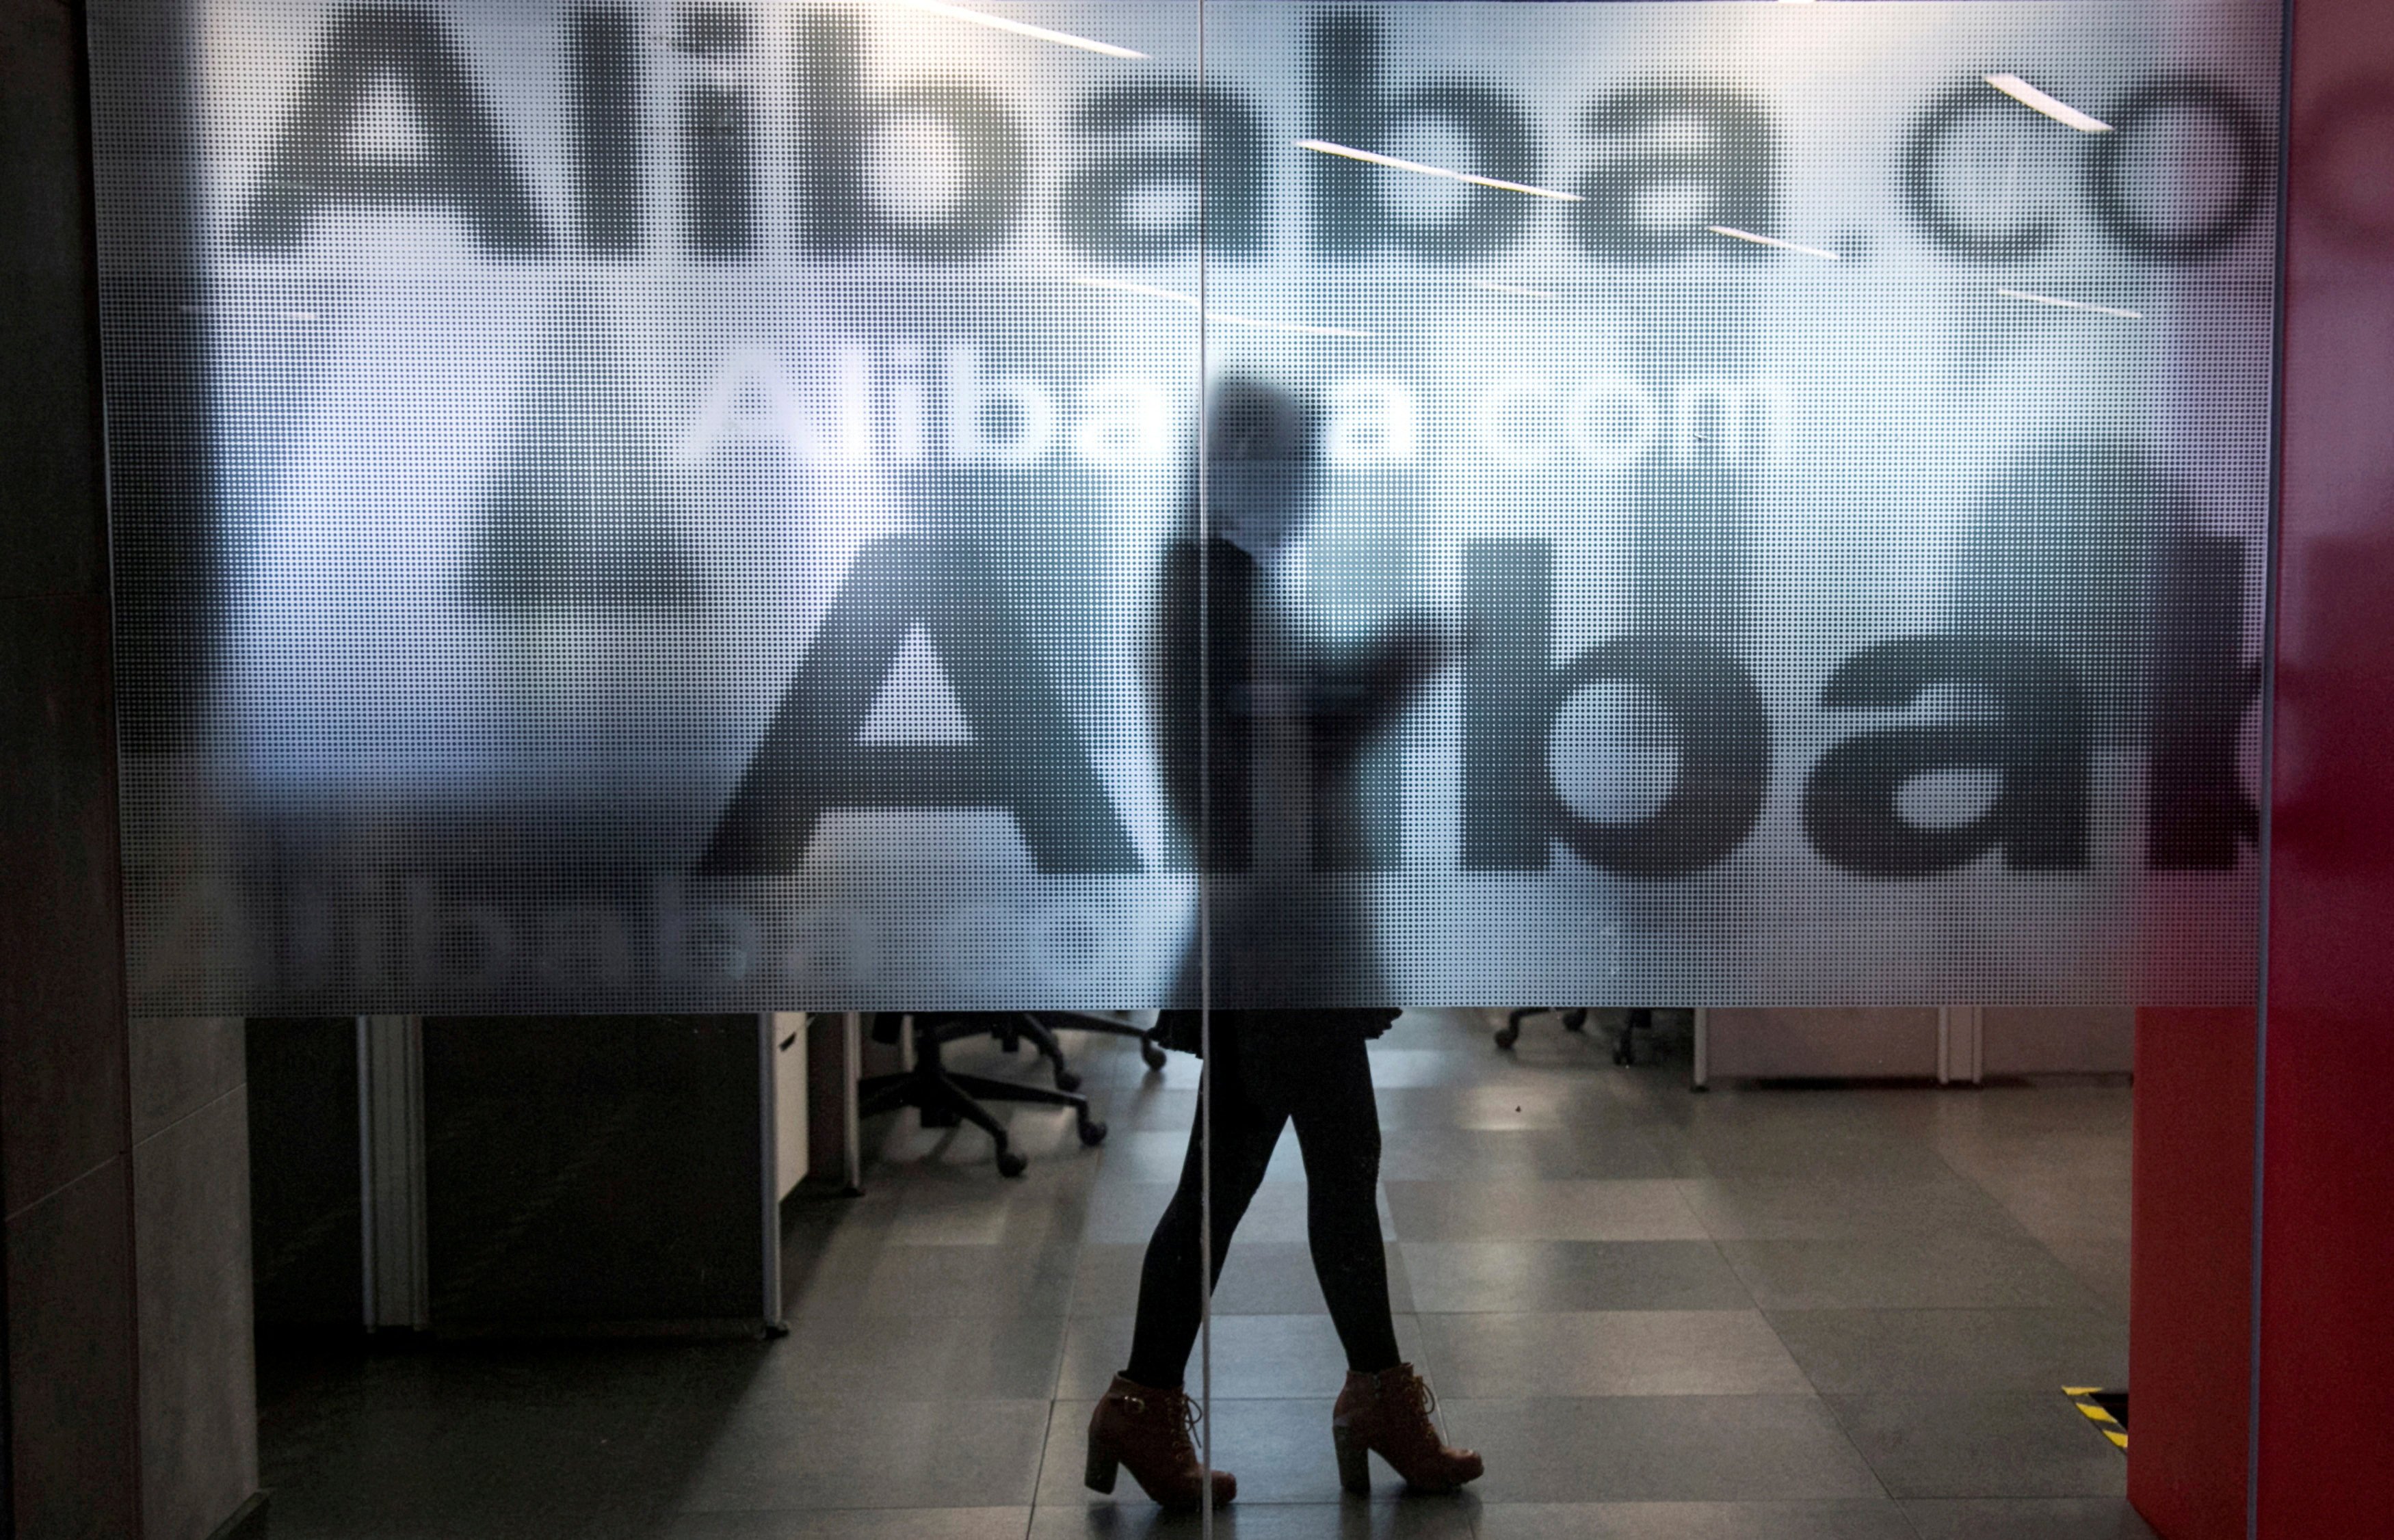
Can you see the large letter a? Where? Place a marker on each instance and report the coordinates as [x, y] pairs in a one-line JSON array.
[[460, 165], [1023, 756]]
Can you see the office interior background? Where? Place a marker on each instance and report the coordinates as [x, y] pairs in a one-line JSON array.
[[602, 822]]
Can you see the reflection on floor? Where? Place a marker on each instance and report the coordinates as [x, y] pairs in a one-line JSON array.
[[1748, 1315]]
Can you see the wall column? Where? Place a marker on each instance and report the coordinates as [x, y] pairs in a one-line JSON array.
[[2326, 1319], [124, 1144], [2305, 1457]]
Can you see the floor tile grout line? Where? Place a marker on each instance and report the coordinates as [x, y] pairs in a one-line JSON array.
[[1063, 1346], [1904, 1511], [1475, 1520], [1846, 1433]]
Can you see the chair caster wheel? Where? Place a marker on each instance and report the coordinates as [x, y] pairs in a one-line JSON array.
[[1092, 1133], [1508, 1036], [1151, 1054], [1066, 1080], [1574, 1021], [1011, 1164]]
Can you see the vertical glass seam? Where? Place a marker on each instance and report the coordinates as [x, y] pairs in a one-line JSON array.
[[2265, 795], [1204, 848]]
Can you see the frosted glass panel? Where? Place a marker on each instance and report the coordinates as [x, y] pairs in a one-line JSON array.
[[634, 508]]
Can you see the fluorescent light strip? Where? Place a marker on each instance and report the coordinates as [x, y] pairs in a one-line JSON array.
[[1220, 319], [279, 314], [2053, 107], [1495, 287], [2071, 304], [1124, 286], [1325, 146], [1020, 29], [1735, 234]]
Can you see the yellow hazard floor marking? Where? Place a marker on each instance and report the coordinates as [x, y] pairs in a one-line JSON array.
[[2082, 1397]]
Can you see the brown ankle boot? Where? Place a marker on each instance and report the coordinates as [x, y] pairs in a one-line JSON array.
[[1388, 1414], [1148, 1430]]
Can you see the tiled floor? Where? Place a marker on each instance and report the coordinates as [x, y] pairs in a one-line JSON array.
[[1748, 1315]]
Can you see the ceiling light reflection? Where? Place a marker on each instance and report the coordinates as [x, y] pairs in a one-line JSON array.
[[1122, 286], [1219, 317], [1494, 287], [2053, 107], [1020, 29], [1736, 234], [2071, 304], [1397, 163]]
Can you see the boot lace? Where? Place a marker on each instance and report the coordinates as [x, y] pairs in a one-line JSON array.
[[1417, 1397], [1180, 1412]]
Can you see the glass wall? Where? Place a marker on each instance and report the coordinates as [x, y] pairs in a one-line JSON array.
[[642, 511], [1819, 474], [1276, 514]]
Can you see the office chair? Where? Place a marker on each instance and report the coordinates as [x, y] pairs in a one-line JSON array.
[[1510, 1032], [947, 1097], [1040, 1027], [1625, 1049]]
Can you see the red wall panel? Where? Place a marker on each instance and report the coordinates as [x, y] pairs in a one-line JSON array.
[[2325, 1309], [2190, 1272], [2326, 1402]]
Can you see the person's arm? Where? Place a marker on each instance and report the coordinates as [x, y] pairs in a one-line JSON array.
[[1201, 694], [1359, 689]]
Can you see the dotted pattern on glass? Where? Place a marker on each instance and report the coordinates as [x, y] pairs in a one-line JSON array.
[[687, 507]]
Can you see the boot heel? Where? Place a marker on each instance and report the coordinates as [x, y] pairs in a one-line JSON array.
[[1354, 1462], [1101, 1470]]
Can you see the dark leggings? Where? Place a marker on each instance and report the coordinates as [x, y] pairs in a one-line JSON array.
[[1267, 1068]]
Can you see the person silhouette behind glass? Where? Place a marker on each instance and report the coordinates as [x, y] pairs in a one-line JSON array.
[[1261, 732]]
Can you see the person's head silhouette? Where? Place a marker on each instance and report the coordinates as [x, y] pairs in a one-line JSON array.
[[1261, 446]]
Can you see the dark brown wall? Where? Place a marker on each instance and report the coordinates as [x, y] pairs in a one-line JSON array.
[[595, 1169], [124, 1148], [65, 1116]]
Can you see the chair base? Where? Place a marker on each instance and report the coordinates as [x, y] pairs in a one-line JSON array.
[[1510, 1032], [946, 1097], [1625, 1048], [1151, 1052]]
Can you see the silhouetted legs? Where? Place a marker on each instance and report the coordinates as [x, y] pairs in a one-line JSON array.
[[1268, 1069]]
